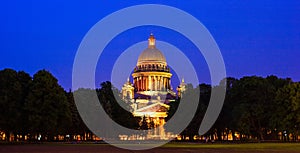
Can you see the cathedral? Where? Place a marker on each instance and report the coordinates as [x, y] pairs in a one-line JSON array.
[[151, 92]]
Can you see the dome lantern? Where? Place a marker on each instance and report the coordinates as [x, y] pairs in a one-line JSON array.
[[151, 41], [151, 55]]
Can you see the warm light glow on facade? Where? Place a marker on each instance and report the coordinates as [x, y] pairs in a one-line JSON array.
[[151, 90]]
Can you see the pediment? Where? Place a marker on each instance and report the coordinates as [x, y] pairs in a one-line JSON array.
[[156, 107]]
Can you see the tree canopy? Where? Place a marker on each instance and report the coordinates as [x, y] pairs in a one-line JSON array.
[[259, 108]]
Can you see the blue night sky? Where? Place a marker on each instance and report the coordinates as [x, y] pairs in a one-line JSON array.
[[255, 37]]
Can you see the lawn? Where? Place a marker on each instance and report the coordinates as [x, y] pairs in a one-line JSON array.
[[171, 147], [251, 147]]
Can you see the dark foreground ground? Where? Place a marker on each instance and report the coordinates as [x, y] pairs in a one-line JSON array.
[[175, 148]]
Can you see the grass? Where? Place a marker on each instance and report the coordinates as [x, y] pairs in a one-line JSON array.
[[294, 147], [245, 146], [52, 147]]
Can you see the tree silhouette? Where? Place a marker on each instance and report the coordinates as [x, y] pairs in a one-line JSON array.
[[48, 110]]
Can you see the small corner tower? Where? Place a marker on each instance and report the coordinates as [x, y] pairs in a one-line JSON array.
[[127, 90], [181, 88]]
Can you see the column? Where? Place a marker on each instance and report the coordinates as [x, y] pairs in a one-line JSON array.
[[158, 82], [161, 129], [134, 81], [142, 83], [170, 82], [167, 81], [146, 80], [149, 82], [161, 83], [166, 84], [138, 83], [155, 83]]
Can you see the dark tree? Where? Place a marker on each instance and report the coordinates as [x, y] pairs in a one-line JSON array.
[[193, 127], [47, 106], [254, 96], [204, 90], [225, 123], [286, 116], [254, 106], [115, 107], [10, 102], [144, 124], [25, 81], [77, 126]]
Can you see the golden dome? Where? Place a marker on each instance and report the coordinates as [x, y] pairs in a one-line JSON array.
[[151, 55]]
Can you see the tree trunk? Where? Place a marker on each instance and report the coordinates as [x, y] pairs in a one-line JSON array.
[[260, 132], [219, 134], [261, 135], [233, 135], [23, 137], [7, 136], [15, 137]]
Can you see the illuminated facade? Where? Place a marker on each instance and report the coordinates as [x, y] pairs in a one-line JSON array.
[[151, 91]]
